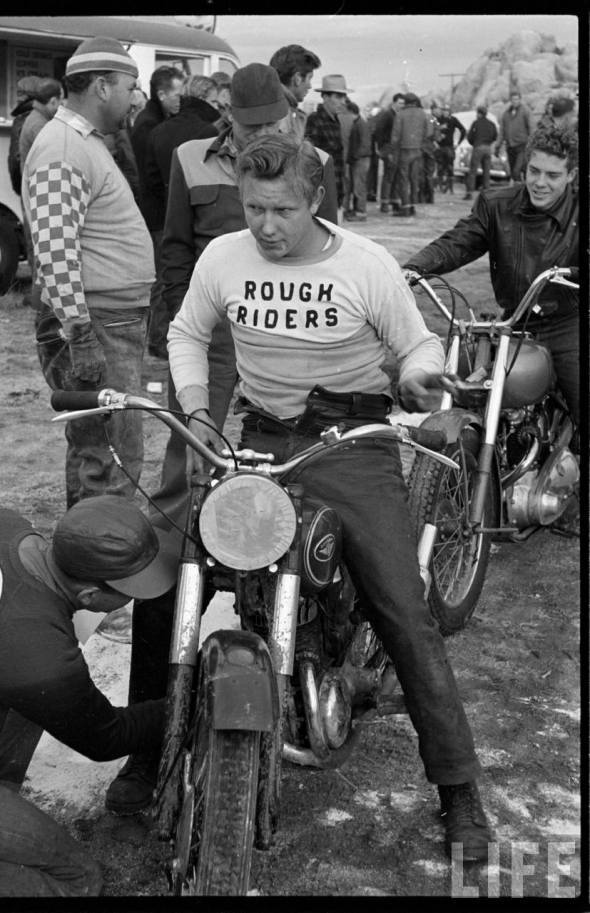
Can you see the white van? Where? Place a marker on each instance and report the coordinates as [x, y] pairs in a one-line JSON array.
[[41, 46]]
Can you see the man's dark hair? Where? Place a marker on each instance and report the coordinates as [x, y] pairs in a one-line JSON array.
[[78, 83], [561, 141], [162, 78], [48, 89], [412, 100], [291, 59], [280, 155], [399, 95]]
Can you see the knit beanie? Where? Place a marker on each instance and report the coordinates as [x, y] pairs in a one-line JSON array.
[[101, 54]]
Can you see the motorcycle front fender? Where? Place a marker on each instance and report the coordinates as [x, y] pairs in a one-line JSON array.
[[452, 422], [241, 689]]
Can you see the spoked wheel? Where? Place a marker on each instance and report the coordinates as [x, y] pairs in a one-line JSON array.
[[216, 825], [440, 495]]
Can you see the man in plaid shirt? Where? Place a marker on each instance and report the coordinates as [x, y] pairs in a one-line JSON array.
[[323, 127], [94, 261]]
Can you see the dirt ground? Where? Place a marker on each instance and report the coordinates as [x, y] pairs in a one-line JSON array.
[[371, 827]]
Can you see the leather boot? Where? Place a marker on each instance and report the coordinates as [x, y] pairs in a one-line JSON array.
[[132, 789], [465, 821]]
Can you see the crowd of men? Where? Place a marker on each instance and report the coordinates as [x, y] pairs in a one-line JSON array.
[[232, 171]]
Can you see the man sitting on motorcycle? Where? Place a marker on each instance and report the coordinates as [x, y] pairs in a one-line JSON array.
[[314, 306], [526, 228], [104, 552]]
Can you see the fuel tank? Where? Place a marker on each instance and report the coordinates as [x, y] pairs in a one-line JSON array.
[[530, 377], [322, 546]]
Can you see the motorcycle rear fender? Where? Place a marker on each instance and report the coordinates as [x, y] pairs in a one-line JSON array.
[[241, 687]]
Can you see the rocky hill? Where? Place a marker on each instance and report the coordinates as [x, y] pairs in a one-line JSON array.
[[528, 62]]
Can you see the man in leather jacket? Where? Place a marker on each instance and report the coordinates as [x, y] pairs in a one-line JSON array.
[[526, 228]]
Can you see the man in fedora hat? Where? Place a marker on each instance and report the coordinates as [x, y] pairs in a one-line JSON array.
[[104, 551], [203, 203], [323, 127], [94, 263]]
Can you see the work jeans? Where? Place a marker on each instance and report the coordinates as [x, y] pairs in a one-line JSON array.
[[38, 858], [445, 159], [562, 337], [481, 156], [359, 170], [90, 468], [223, 376], [390, 180], [410, 173], [159, 319], [364, 484], [516, 161]]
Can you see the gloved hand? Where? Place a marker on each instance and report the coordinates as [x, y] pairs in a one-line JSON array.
[[86, 353]]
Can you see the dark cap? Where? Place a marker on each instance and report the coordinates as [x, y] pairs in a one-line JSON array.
[[108, 539], [481, 109], [257, 96], [562, 106]]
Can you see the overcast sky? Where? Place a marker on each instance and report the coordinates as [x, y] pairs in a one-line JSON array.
[[387, 50]]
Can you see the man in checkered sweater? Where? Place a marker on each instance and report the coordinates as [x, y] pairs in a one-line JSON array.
[[95, 263]]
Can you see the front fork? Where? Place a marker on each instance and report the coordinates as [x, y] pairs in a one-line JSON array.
[[281, 645], [184, 648]]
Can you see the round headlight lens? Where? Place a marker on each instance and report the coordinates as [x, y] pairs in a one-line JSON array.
[[247, 521]]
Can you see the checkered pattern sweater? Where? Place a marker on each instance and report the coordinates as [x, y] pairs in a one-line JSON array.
[[90, 240]]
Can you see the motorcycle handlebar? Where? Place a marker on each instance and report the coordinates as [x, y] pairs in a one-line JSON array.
[[93, 402], [74, 399]]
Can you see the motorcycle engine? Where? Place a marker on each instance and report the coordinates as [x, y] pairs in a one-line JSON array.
[[539, 497]]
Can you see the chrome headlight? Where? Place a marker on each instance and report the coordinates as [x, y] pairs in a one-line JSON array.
[[247, 521]]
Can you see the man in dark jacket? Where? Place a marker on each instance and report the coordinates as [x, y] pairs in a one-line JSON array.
[[167, 85], [323, 128], [448, 125], [412, 130], [390, 200], [482, 135], [195, 120], [358, 161], [104, 551], [203, 203], [525, 229], [515, 129]]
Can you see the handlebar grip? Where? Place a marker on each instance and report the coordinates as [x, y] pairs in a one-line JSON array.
[[574, 273], [70, 400], [434, 440]]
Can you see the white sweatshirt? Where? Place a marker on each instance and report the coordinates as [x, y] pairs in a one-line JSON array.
[[299, 322]]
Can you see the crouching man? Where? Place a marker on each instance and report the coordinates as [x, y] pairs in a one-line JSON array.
[[104, 551], [312, 308]]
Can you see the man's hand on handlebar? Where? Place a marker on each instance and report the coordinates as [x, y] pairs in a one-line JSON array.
[[203, 427], [421, 392], [411, 276]]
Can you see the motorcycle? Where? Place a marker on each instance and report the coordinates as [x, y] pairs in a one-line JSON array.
[[509, 429], [292, 681]]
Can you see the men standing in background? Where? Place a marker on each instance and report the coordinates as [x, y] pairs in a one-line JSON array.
[[167, 85], [25, 93], [295, 66], [515, 129], [323, 126], [482, 135], [390, 201], [94, 261]]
